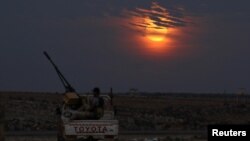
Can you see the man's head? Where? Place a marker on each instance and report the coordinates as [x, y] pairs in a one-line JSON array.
[[96, 91]]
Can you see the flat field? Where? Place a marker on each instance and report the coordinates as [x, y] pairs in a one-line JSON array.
[[32, 111]]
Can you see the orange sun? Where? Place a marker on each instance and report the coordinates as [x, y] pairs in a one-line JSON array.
[[154, 39], [154, 32]]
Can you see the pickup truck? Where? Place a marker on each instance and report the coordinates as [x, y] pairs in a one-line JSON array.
[[77, 129], [77, 121]]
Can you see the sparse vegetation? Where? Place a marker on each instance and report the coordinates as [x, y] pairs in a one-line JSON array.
[[36, 111]]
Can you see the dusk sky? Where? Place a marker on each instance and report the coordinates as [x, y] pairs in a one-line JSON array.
[[151, 45]]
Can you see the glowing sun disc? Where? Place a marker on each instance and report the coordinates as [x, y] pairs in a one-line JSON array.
[[154, 32], [155, 38]]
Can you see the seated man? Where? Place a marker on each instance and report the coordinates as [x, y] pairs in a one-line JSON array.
[[97, 104]]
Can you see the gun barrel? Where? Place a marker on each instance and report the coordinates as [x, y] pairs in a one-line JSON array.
[[64, 81], [47, 55]]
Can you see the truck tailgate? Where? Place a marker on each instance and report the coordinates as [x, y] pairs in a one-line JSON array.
[[91, 127]]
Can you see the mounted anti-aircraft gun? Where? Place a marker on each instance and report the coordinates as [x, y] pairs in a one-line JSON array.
[[70, 96], [64, 81], [79, 121]]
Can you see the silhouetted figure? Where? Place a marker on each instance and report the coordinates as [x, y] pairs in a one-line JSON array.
[[97, 103]]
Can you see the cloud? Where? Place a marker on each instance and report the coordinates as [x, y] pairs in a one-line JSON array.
[[160, 16]]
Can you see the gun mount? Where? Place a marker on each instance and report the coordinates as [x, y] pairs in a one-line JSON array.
[[70, 96]]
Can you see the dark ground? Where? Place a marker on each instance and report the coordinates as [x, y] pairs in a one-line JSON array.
[[26, 111]]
